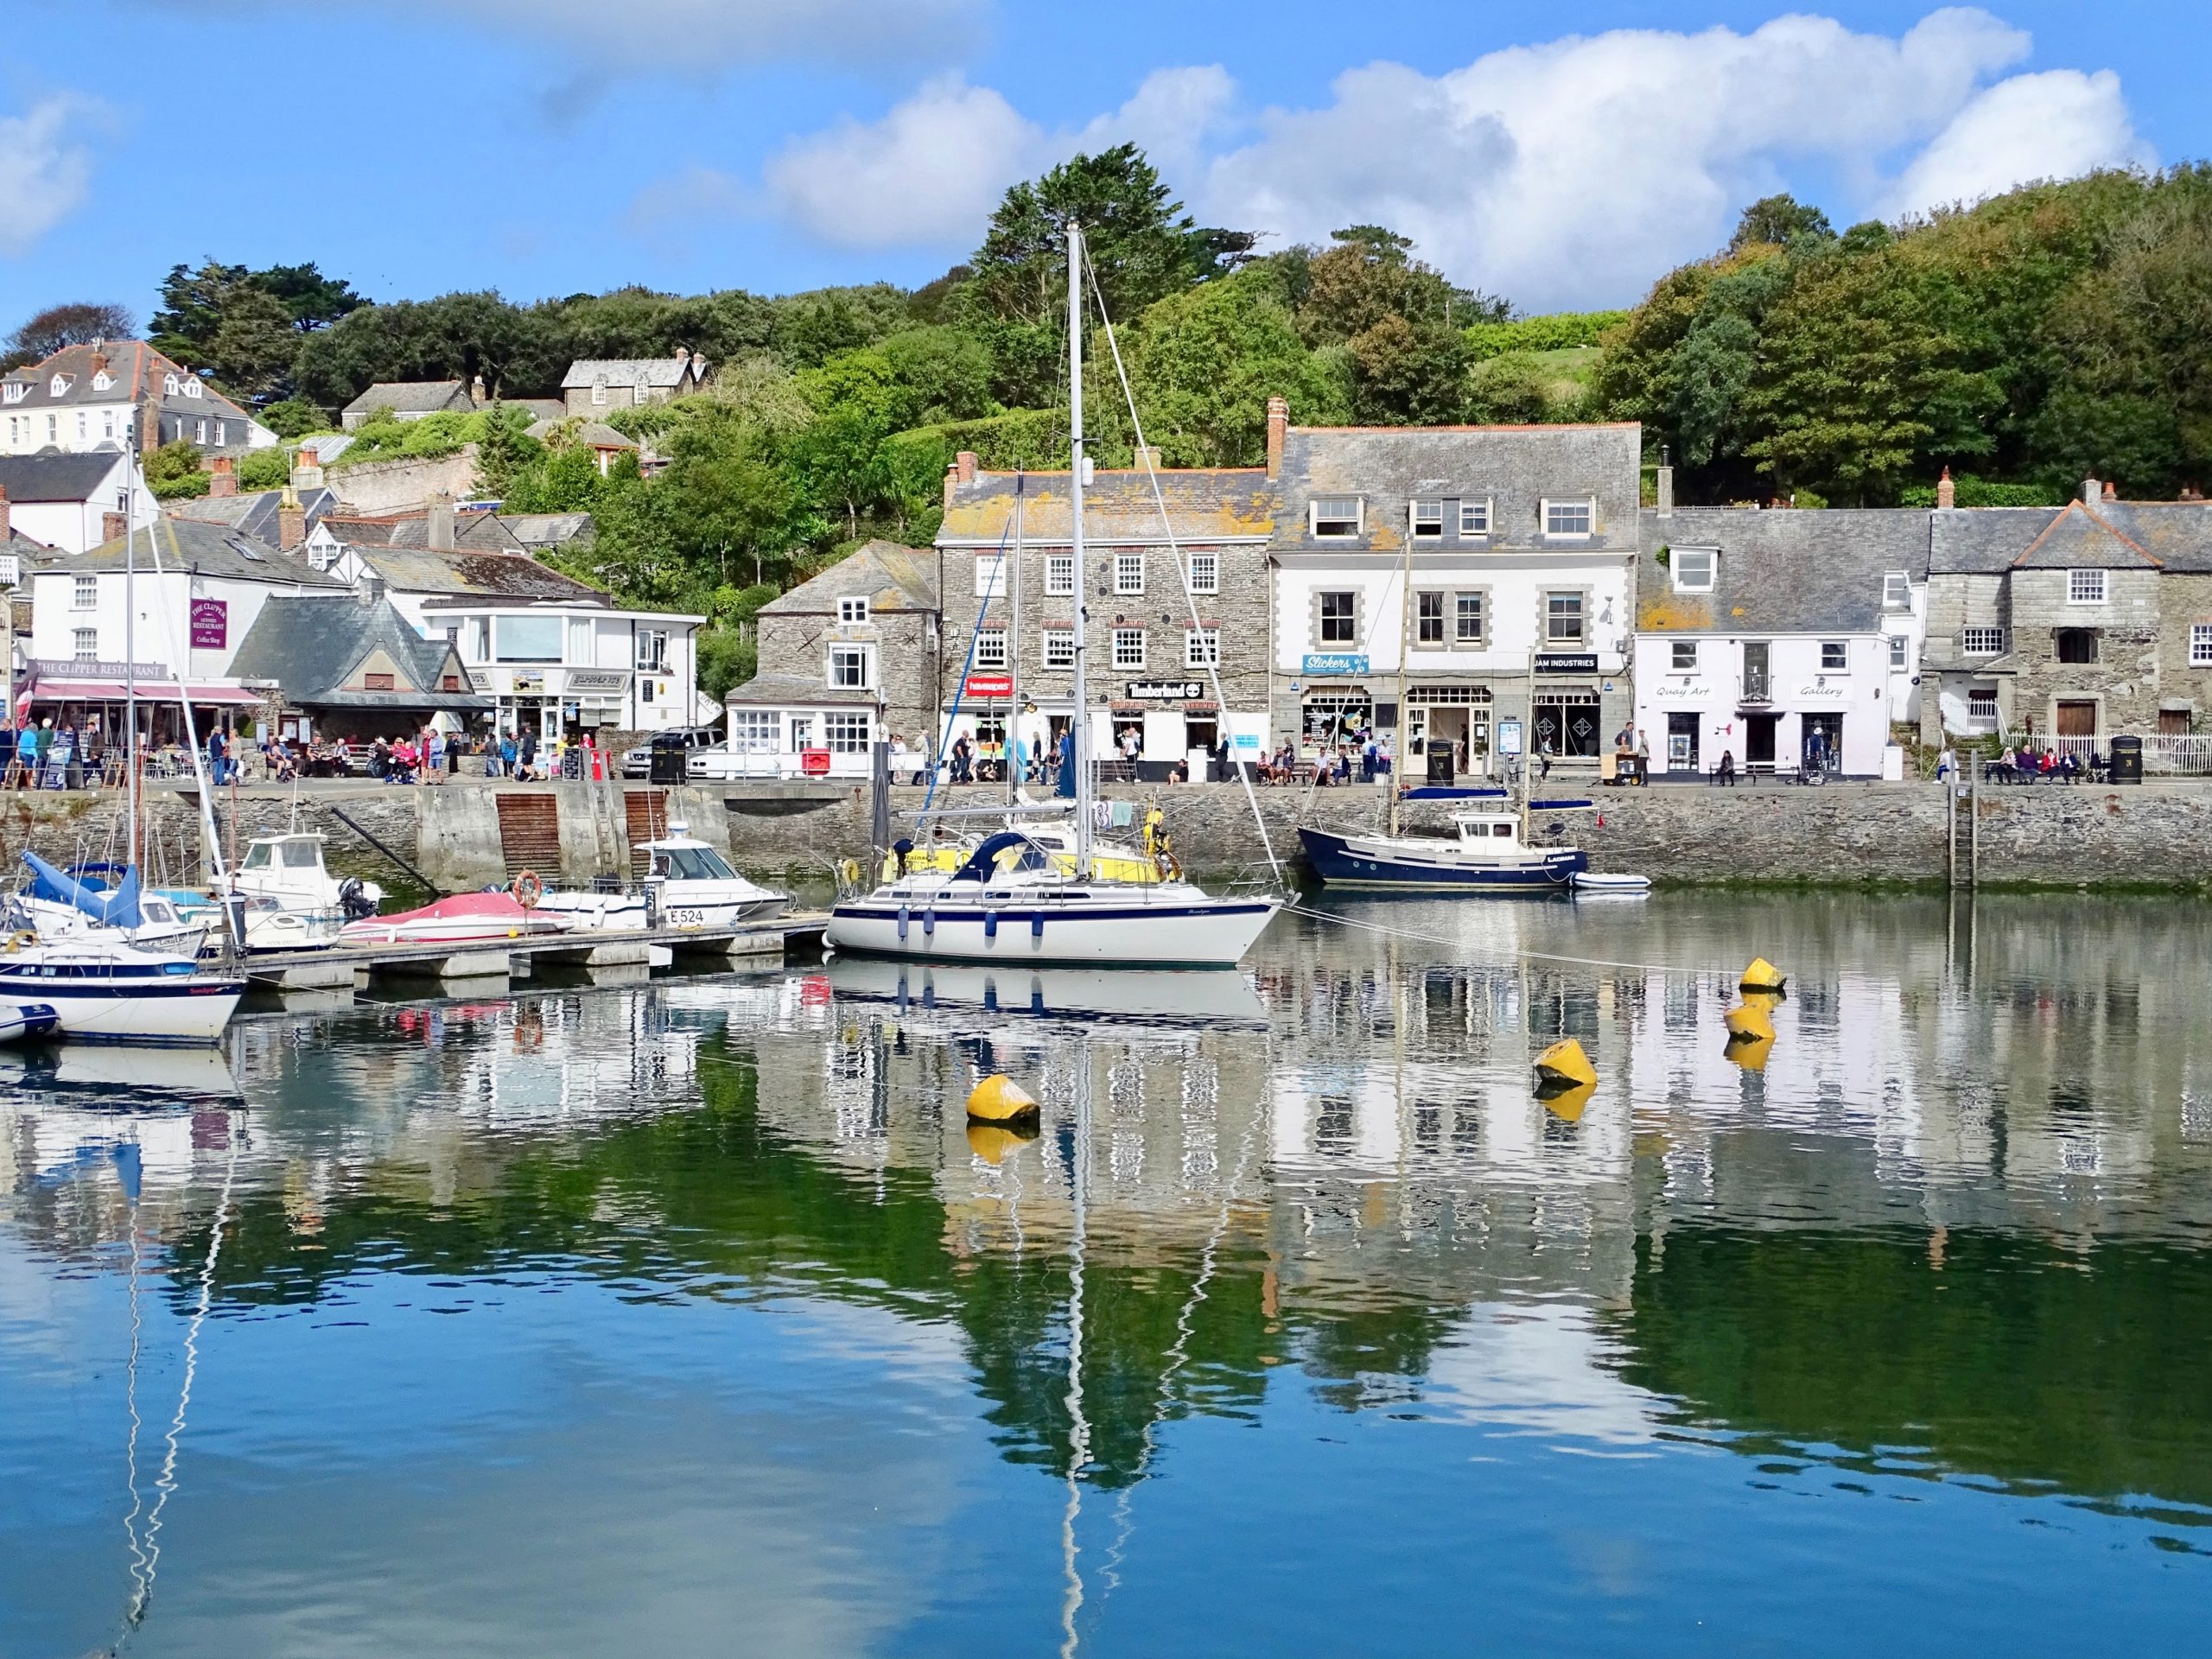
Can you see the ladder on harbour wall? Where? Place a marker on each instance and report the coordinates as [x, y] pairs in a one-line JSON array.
[[530, 833], [1962, 824], [645, 816]]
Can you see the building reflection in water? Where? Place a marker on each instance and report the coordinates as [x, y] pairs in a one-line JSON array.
[[1958, 1208]]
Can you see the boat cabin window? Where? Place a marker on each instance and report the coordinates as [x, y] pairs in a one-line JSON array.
[[302, 855], [257, 856], [692, 864], [1501, 829]]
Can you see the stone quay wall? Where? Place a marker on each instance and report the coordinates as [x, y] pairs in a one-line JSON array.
[[2157, 836]]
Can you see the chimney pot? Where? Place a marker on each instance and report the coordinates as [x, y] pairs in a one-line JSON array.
[[1946, 493], [2112, 491], [964, 465], [224, 480], [439, 528], [1278, 430]]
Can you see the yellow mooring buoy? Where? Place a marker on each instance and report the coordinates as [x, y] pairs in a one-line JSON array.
[[1568, 1101], [1565, 1062], [1762, 976], [991, 1143], [998, 1099]]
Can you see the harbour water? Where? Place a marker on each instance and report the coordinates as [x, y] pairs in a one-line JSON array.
[[691, 1317]]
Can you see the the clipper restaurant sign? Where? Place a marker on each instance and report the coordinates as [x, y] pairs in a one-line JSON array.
[[210, 624]]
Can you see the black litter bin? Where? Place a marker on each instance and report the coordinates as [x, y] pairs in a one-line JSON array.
[[1439, 758], [2127, 759], [665, 764]]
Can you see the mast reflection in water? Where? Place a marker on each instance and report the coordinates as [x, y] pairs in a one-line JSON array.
[[695, 1316]]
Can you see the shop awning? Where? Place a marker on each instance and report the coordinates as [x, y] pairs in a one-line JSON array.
[[203, 692]]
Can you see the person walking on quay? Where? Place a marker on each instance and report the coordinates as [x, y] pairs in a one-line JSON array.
[[433, 755], [41, 745], [963, 759], [526, 754]]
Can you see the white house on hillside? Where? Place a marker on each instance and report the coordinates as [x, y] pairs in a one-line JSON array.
[[89, 397], [73, 502]]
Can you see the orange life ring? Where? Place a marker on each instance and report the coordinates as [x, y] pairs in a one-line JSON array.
[[527, 889]]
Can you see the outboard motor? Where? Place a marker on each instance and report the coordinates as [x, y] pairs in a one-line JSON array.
[[356, 904]]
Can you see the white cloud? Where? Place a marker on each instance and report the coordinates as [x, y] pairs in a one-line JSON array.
[[2053, 125], [45, 171], [679, 36], [929, 172], [1571, 173]]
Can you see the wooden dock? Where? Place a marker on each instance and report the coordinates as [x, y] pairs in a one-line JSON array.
[[344, 969]]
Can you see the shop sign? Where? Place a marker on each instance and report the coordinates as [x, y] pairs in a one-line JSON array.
[[1346, 662], [1244, 740], [1509, 737], [1167, 690], [210, 624], [597, 679], [989, 685], [1822, 693], [1682, 691], [530, 683], [1567, 662]]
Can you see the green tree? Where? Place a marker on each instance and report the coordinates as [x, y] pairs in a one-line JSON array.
[[505, 451], [1779, 220], [291, 417], [250, 355]]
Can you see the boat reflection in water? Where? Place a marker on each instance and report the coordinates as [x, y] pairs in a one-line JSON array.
[[1923, 1301]]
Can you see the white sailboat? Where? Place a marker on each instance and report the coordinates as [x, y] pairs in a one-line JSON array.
[[1011, 900]]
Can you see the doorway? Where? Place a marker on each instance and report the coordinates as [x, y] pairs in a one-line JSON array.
[[1759, 739], [2077, 720], [1681, 742], [1828, 729], [1568, 728]]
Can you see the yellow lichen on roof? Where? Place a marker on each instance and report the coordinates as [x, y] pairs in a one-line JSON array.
[[1674, 614]]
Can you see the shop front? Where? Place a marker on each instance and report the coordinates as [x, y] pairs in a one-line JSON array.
[[1568, 721], [1454, 718]]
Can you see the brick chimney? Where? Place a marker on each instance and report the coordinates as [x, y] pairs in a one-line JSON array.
[[1662, 484], [2092, 492], [441, 524], [225, 479], [963, 467], [7, 529], [292, 520], [476, 393], [1147, 457], [2112, 491], [307, 471], [1278, 430], [1946, 493], [99, 357], [114, 526]]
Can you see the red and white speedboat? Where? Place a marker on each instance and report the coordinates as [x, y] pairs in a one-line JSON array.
[[465, 918]]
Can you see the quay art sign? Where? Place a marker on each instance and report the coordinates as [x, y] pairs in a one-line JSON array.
[[1345, 662], [1683, 692], [211, 624]]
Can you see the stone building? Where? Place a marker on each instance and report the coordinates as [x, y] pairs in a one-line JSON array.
[[1521, 543], [1169, 600], [97, 396], [2080, 622], [848, 656], [594, 384], [1756, 631]]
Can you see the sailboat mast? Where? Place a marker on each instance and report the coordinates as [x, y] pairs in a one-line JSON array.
[[1081, 717], [1011, 740], [1401, 748], [130, 641]]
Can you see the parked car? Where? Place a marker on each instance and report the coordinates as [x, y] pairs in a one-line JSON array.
[[638, 763]]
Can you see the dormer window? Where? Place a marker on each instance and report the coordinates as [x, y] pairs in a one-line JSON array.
[[168, 385], [1338, 516], [1692, 569], [14, 391], [1428, 521], [192, 388], [59, 384], [1474, 516], [1897, 591], [102, 381], [852, 611], [1575, 520]]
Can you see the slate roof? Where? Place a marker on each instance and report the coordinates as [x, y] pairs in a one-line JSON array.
[[211, 549], [254, 513], [1204, 504], [535, 530], [593, 434], [2174, 536], [625, 371], [139, 371], [477, 532], [1516, 467], [783, 689], [310, 645], [1780, 571], [459, 578], [889, 576], [412, 397], [56, 477]]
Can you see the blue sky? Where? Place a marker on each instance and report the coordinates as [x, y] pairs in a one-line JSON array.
[[551, 146]]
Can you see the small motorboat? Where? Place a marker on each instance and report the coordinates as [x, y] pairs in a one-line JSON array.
[[1483, 853], [465, 918], [290, 869], [1612, 881], [698, 889], [23, 1023], [103, 989]]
